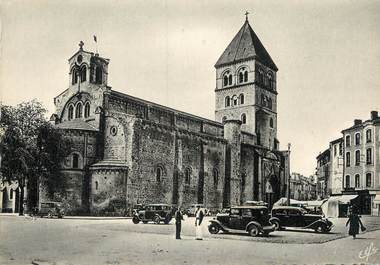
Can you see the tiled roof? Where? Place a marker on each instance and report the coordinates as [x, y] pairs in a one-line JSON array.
[[76, 124], [246, 45]]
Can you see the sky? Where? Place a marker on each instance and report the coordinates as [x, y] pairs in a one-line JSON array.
[[327, 52]]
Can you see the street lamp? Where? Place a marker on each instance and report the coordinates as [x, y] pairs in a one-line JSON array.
[[288, 201]]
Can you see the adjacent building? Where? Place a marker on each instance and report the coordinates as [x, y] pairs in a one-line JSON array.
[[323, 174], [335, 185], [302, 188], [362, 162], [128, 150], [351, 166]]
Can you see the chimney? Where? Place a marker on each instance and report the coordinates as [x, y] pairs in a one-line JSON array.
[[357, 122], [374, 115]]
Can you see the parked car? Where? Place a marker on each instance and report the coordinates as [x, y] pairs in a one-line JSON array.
[[154, 212], [290, 216], [193, 209], [253, 219], [51, 209]]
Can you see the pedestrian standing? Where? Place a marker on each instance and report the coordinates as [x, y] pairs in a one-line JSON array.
[[178, 223], [198, 223], [354, 222]]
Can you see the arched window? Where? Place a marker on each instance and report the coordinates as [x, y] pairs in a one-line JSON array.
[[241, 98], [369, 135], [75, 161], [78, 110], [243, 75], [159, 173], [348, 159], [357, 138], [263, 100], [71, 112], [227, 78], [243, 118], [347, 181], [369, 156], [270, 103], [357, 157], [187, 176], [227, 102], [348, 140], [98, 75], [215, 174], [234, 100], [83, 74], [270, 80], [74, 76], [271, 122], [357, 181], [87, 110], [96, 185], [224, 119], [368, 180], [261, 76]]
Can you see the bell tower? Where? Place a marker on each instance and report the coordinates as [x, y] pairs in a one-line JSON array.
[[88, 78], [246, 87]]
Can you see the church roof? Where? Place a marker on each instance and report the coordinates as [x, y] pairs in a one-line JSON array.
[[245, 45], [76, 124]]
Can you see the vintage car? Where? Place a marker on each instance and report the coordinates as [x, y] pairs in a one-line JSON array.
[[50, 209], [290, 216], [154, 212], [253, 219]]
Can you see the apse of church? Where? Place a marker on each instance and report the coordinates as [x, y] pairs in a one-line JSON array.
[[131, 151]]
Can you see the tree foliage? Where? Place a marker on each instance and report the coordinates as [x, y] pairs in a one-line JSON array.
[[32, 150]]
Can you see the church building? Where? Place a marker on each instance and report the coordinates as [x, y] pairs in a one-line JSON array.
[[130, 151]]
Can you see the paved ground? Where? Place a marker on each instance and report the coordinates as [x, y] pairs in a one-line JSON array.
[[119, 241]]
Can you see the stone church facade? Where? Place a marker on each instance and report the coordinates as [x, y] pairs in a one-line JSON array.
[[131, 151]]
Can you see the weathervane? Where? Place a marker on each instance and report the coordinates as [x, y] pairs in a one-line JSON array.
[[81, 45], [246, 15]]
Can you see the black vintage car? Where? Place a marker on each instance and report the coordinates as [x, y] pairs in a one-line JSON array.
[[289, 216], [253, 219], [154, 212]]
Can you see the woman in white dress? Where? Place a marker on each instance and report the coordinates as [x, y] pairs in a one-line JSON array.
[[198, 223]]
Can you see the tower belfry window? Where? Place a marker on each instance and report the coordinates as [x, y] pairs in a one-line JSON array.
[[71, 112], [83, 74], [74, 76], [227, 78], [78, 110], [98, 75], [87, 110]]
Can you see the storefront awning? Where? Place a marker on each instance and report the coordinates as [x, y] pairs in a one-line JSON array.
[[377, 199], [346, 198]]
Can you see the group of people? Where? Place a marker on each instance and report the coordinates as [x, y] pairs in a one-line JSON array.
[[199, 214]]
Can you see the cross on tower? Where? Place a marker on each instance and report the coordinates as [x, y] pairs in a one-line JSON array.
[[246, 15], [81, 45]]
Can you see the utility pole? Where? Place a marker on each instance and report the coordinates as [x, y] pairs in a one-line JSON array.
[[288, 201]]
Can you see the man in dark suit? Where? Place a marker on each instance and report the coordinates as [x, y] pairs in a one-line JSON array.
[[178, 219]]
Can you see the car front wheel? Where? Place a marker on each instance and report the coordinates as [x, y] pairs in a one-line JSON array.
[[276, 225], [135, 220], [253, 230], [213, 229], [156, 219]]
